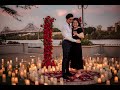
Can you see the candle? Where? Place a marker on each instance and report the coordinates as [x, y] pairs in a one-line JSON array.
[[103, 78], [13, 74], [16, 79], [46, 70], [2, 61], [21, 73], [16, 71], [13, 83], [41, 80], [61, 81], [118, 66], [99, 80], [11, 61], [51, 79], [115, 72], [10, 67], [55, 81], [9, 73], [36, 82], [1, 72], [45, 84], [13, 80], [116, 79], [27, 81], [108, 82], [42, 70], [4, 78], [16, 59]]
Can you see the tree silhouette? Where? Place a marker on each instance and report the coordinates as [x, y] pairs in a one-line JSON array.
[[14, 13]]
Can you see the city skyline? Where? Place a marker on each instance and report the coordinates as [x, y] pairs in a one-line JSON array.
[[105, 15]]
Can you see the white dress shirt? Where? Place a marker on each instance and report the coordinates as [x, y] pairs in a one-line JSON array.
[[67, 32]]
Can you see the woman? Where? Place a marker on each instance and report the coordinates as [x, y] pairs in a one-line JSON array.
[[76, 50]]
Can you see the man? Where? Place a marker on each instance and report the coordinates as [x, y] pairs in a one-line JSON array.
[[66, 45]]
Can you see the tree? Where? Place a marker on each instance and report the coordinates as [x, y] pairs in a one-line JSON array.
[[99, 27], [14, 13], [56, 30]]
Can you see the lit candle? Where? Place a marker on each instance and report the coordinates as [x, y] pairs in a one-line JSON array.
[[99, 80], [13, 83], [9, 73], [16, 79], [13, 80], [16, 59], [118, 66], [36, 82], [116, 79], [55, 81], [10, 67], [1, 72], [4, 78], [27, 81], [41, 80], [2, 61], [42, 70], [46, 70], [11, 61], [103, 78], [115, 72], [61, 81], [21, 74], [16, 71], [13, 74], [108, 82], [45, 84], [51, 79]]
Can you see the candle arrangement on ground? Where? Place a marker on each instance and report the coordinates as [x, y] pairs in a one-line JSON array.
[[96, 71]]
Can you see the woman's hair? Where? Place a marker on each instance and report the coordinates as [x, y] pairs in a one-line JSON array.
[[79, 24]]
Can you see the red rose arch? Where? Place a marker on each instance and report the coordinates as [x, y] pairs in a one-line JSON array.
[[47, 28]]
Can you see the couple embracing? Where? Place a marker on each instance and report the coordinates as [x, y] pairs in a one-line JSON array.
[[72, 52]]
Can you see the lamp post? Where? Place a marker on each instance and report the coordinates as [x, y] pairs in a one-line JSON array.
[[82, 7]]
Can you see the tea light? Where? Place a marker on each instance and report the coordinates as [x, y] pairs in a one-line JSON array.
[[4, 78], [116, 79], [99, 80], [108, 82], [27, 81], [16, 79]]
